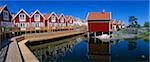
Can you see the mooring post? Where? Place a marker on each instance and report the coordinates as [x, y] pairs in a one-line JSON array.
[[102, 33], [88, 35], [95, 37]]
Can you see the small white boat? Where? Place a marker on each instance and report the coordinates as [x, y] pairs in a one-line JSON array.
[[104, 37]]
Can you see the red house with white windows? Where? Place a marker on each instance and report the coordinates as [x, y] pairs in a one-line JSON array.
[[99, 21], [67, 18], [37, 20], [61, 21], [69, 22], [52, 21], [22, 20]]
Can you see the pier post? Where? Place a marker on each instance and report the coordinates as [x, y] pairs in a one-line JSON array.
[[88, 35], [95, 37]]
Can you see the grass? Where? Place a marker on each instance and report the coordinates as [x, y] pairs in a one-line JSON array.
[[145, 36]]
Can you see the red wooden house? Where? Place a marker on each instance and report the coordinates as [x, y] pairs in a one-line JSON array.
[[52, 21], [98, 21], [67, 18], [69, 22], [37, 20], [62, 21], [22, 20]]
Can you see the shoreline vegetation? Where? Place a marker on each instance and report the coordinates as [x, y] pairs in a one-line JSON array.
[[130, 33], [145, 36]]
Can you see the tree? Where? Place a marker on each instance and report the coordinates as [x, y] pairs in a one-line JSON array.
[[146, 24], [133, 21]]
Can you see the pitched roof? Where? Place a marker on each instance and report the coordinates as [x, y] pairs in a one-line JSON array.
[[51, 15], [19, 12], [46, 15], [67, 18], [111, 21], [119, 22], [2, 7], [99, 16], [58, 15], [13, 15], [31, 15]]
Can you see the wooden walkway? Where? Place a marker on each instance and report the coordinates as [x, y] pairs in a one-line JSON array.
[[27, 54], [46, 36], [14, 55]]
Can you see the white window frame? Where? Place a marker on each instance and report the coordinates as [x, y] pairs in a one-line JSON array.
[[6, 15], [17, 25], [70, 21], [37, 18], [22, 19], [33, 24], [53, 18], [23, 25], [62, 20], [37, 24]]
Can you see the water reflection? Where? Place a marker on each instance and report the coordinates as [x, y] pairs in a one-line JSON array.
[[98, 50], [118, 50], [53, 50], [82, 49]]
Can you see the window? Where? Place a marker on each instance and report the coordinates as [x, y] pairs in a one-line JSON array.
[[5, 15], [37, 24], [53, 18], [110, 26], [62, 20], [17, 24], [70, 21], [22, 17], [23, 25], [53, 24], [33, 24], [37, 17], [61, 24], [27, 24]]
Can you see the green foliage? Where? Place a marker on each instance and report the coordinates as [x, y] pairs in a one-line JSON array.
[[146, 24], [133, 22]]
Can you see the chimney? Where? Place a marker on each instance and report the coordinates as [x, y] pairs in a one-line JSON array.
[[103, 10]]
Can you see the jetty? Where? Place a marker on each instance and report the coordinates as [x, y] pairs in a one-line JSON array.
[[21, 53]]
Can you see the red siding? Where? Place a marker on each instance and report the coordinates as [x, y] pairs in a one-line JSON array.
[[50, 19], [99, 48], [41, 18], [27, 19], [98, 27], [17, 18]]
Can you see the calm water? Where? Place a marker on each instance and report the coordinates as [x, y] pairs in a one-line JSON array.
[[78, 48]]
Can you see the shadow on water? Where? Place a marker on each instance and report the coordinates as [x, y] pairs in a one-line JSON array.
[[80, 48]]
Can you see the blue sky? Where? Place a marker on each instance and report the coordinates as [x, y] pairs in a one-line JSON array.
[[121, 10]]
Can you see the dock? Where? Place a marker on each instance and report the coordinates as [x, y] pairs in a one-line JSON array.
[[18, 46]]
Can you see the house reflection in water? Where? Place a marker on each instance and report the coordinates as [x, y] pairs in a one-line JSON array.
[[98, 50], [54, 50]]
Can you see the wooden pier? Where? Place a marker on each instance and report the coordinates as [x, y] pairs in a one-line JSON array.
[[27, 55]]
